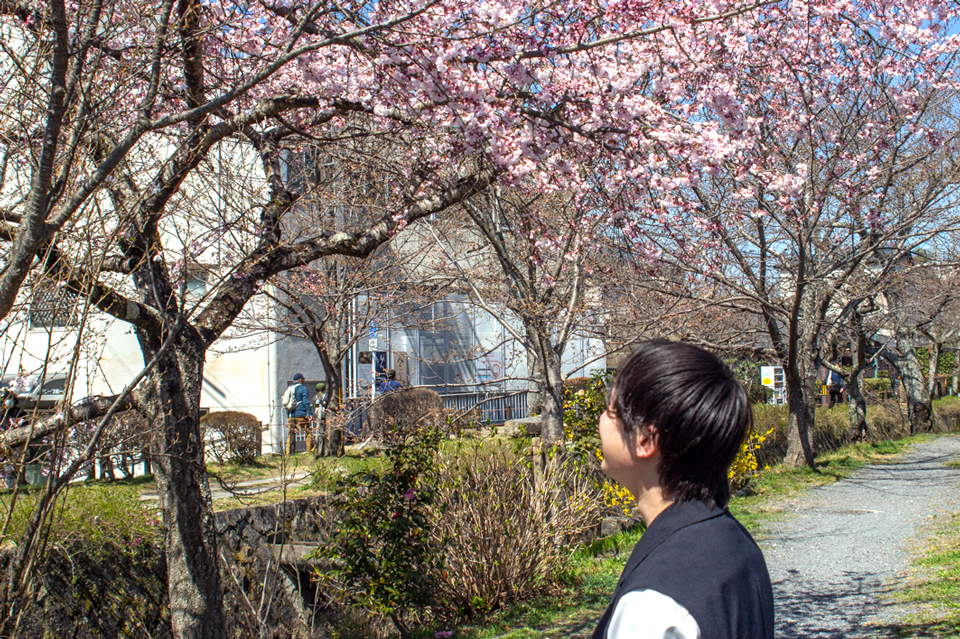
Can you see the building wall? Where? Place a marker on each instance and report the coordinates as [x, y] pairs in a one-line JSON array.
[[248, 372]]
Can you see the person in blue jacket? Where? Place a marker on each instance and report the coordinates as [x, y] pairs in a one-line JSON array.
[[836, 388], [301, 415], [389, 383], [673, 426]]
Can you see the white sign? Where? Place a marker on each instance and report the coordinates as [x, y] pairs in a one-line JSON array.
[[768, 376], [372, 344]]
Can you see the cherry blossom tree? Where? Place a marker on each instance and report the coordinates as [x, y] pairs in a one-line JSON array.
[[528, 263], [126, 110], [844, 169]]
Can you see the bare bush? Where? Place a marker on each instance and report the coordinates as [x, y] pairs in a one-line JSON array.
[[507, 531], [231, 435], [407, 410]]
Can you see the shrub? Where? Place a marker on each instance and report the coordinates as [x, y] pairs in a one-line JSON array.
[[583, 404], [946, 414], [380, 553], [460, 420], [759, 394], [771, 420], [573, 384], [831, 428], [876, 384], [506, 531], [231, 435], [406, 411], [886, 421], [747, 464]]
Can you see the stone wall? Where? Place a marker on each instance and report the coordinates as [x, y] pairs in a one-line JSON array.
[[93, 593]]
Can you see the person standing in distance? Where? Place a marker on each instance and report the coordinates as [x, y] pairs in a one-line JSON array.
[[300, 416], [674, 422], [389, 383]]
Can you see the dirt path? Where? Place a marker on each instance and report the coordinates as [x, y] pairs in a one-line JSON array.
[[832, 561]]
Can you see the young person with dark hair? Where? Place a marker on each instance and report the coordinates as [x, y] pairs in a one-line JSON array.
[[675, 420]]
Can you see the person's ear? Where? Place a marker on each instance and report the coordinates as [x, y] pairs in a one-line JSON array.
[[645, 444]]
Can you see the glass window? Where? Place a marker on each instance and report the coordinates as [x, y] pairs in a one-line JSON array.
[[53, 307]]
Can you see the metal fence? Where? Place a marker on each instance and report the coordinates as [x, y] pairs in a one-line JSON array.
[[495, 408]]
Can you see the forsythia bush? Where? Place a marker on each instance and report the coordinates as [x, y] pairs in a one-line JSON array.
[[583, 404], [746, 465]]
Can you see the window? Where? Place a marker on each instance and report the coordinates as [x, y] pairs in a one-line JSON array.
[[197, 285], [53, 307]]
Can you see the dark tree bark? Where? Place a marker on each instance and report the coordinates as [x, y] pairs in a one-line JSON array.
[[801, 402], [332, 426], [933, 368], [170, 401], [857, 402]]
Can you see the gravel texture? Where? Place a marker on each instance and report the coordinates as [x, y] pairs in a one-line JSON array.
[[843, 545]]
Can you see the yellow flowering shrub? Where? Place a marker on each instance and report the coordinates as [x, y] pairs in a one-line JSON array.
[[583, 405], [745, 466], [615, 496]]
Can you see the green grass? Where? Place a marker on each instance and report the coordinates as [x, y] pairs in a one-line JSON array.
[[931, 592], [324, 473], [96, 515], [262, 468]]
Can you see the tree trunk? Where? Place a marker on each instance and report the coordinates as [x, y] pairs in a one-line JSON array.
[[551, 413], [858, 404], [955, 379], [106, 464], [914, 383], [917, 391], [171, 401], [333, 415], [331, 430], [800, 402], [534, 386], [933, 369]]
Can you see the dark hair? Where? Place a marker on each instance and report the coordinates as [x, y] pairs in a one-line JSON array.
[[390, 373], [698, 412], [297, 376]]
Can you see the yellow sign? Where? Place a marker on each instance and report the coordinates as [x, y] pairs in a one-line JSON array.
[[767, 381]]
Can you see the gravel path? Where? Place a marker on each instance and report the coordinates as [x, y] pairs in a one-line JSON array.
[[831, 561]]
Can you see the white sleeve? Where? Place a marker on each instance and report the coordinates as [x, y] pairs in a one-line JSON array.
[[648, 614]]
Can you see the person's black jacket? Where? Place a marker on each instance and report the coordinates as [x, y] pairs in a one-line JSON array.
[[707, 562]]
